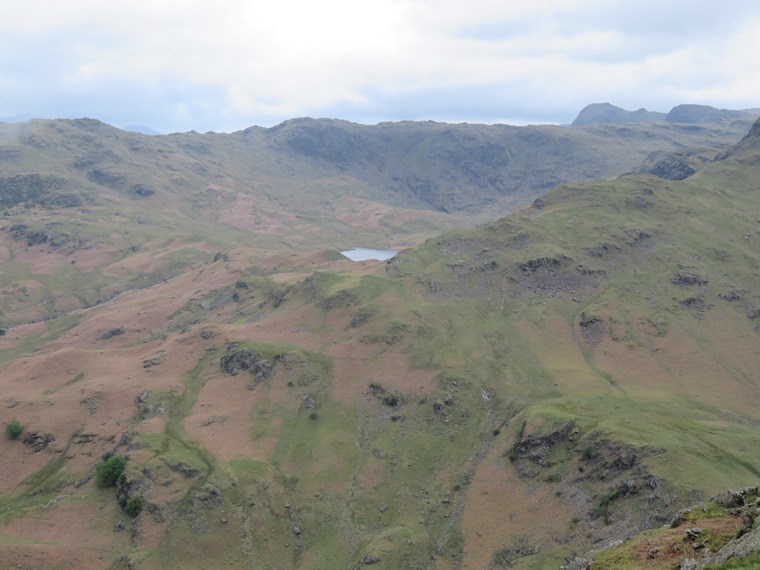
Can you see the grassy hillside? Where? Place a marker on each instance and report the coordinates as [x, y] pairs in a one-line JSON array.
[[504, 396], [90, 211]]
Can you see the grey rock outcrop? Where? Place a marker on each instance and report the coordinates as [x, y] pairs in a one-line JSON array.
[[246, 360]]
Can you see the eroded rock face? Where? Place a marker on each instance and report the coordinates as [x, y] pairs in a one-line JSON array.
[[111, 333], [339, 300], [361, 317], [674, 167], [738, 548], [535, 450], [37, 237], [728, 499], [196, 511], [38, 440], [107, 177], [577, 563], [551, 274], [246, 360], [520, 548], [187, 471], [592, 328], [544, 262], [685, 279], [142, 190], [742, 509], [208, 496], [29, 188]]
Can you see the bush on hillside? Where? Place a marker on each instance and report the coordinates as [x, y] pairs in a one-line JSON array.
[[108, 472], [13, 429], [134, 506]]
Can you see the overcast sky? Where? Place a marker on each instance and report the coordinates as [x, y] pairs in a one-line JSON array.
[[179, 65]]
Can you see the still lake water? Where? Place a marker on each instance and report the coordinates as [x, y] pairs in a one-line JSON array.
[[363, 254]]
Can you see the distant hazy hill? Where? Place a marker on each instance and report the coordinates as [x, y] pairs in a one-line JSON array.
[[599, 113], [141, 129], [706, 114], [605, 113], [17, 118]]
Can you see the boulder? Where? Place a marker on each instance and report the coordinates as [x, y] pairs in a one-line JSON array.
[[38, 440], [245, 360], [729, 499], [110, 333]]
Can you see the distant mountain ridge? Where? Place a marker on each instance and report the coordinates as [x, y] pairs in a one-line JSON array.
[[606, 113], [141, 129], [603, 113], [305, 165]]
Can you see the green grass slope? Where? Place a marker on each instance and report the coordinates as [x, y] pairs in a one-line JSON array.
[[642, 289]]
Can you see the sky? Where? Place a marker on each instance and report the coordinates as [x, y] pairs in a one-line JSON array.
[[229, 64]]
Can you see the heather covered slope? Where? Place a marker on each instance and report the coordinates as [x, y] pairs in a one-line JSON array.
[[570, 374]]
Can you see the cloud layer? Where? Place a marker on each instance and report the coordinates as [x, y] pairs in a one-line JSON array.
[[181, 65]]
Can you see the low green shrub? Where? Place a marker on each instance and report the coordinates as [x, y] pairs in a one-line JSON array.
[[134, 506], [13, 429], [108, 472]]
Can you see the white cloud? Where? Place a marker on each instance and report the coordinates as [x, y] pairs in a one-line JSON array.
[[196, 65]]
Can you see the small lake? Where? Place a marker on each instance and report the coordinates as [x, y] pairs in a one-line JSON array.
[[363, 254]]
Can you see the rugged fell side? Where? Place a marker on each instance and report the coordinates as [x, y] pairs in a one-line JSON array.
[[509, 396], [721, 533], [119, 210]]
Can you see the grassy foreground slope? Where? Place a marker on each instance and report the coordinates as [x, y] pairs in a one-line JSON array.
[[501, 397]]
